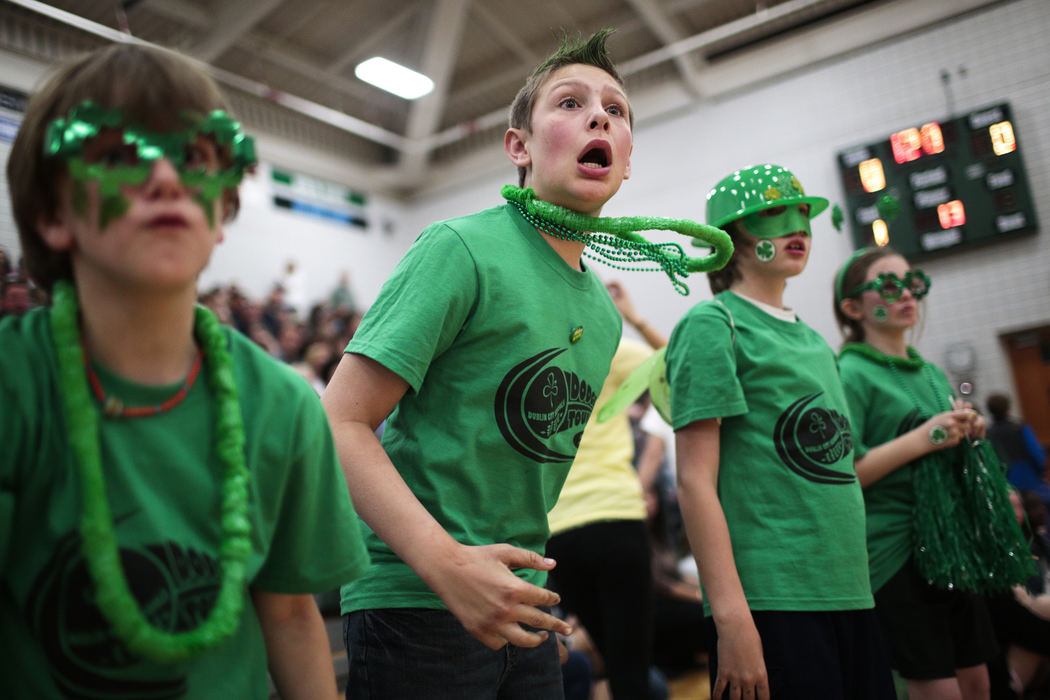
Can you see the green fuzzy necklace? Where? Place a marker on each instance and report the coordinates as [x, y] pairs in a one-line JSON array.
[[964, 533], [616, 243], [98, 540]]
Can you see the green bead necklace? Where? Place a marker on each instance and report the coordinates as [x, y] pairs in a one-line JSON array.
[[616, 243], [98, 540]]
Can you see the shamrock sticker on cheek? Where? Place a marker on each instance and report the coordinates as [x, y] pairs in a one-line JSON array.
[[765, 251], [880, 313]]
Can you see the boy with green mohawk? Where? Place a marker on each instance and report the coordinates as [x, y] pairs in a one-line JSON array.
[[486, 349], [164, 484]]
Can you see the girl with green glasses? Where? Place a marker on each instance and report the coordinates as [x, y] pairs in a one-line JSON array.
[[940, 527]]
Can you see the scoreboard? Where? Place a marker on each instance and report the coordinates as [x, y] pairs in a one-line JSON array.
[[957, 183]]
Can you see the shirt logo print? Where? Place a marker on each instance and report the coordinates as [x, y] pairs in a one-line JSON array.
[[810, 438], [536, 402]]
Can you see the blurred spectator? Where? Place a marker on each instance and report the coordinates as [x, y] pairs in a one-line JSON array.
[[1022, 617], [274, 309], [314, 365], [341, 298], [289, 341], [1018, 448], [217, 299], [313, 348], [16, 296], [294, 285]]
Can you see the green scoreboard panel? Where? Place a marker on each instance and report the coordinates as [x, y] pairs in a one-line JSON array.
[[958, 184]]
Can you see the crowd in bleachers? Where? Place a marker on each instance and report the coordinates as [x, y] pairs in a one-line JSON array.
[[310, 339]]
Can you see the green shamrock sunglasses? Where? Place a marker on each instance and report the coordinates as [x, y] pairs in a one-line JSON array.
[[890, 287], [130, 162]]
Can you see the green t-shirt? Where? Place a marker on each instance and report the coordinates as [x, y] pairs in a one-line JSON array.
[[785, 477], [163, 482], [883, 407], [478, 318]]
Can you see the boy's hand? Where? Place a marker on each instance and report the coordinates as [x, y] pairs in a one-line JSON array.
[[479, 588]]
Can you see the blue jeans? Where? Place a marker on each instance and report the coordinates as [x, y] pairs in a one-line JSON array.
[[420, 653]]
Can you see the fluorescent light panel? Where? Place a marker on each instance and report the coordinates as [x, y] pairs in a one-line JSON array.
[[393, 77]]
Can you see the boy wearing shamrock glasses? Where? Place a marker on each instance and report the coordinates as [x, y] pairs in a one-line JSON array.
[[940, 529], [167, 479]]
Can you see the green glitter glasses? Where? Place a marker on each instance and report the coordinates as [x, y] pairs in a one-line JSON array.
[[210, 155], [890, 287]]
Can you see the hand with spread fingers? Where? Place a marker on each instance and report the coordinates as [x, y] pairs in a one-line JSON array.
[[479, 587]]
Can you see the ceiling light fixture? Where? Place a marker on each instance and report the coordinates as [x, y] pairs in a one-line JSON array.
[[393, 77]]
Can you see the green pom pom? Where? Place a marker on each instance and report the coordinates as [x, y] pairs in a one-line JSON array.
[[966, 535]]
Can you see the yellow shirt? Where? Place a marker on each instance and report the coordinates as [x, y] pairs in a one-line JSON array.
[[602, 483]]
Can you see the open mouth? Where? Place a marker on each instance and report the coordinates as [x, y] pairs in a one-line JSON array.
[[796, 245], [166, 220], [596, 155]]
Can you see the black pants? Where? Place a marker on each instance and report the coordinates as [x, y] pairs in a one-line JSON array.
[[830, 655], [604, 576]]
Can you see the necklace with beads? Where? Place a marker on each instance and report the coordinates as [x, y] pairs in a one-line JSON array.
[[964, 533], [98, 539], [913, 361], [616, 243], [113, 407]]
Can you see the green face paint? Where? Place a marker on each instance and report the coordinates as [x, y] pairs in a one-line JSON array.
[[765, 251], [111, 208], [763, 225], [880, 313], [80, 198], [207, 205], [100, 146]]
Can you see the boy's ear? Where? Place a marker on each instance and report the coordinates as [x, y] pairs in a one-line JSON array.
[[56, 234], [627, 170], [515, 143]]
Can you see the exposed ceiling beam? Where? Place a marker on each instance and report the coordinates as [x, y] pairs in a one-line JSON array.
[[276, 51], [723, 31], [307, 108], [564, 18], [439, 59], [178, 10], [660, 24], [359, 48], [507, 36], [230, 23], [624, 23], [822, 41], [676, 6], [303, 20], [292, 60]]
